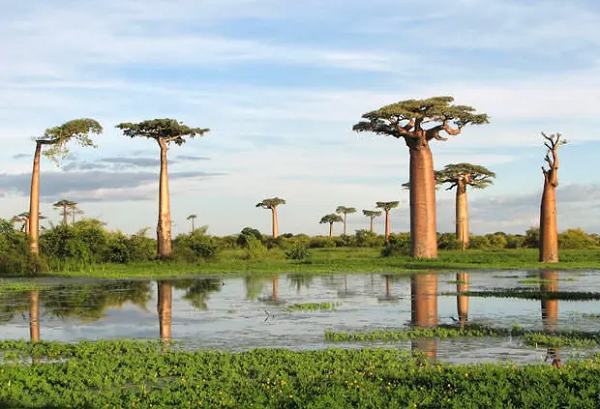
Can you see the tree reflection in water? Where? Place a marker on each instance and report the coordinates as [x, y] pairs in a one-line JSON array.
[[462, 301], [198, 290], [550, 312], [424, 311]]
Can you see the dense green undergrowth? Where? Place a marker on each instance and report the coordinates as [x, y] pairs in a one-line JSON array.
[[127, 374], [342, 260], [575, 339]]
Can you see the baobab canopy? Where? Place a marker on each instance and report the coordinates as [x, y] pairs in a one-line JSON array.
[[476, 176], [406, 119], [78, 129], [167, 130]]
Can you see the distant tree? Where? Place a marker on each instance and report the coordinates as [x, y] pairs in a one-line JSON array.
[[164, 132], [192, 217], [24, 218], [548, 229], [387, 206], [56, 138], [330, 218], [74, 210], [459, 176], [372, 214], [65, 206], [345, 211], [406, 119], [272, 204]]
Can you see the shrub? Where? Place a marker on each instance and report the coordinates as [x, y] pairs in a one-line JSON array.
[[321, 242], [15, 257], [397, 245], [479, 243], [575, 239], [298, 251], [366, 238], [448, 241]]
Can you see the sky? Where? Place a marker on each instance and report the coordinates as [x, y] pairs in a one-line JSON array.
[[280, 84]]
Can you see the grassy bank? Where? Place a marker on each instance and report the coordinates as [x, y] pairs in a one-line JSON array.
[[343, 259], [142, 375]]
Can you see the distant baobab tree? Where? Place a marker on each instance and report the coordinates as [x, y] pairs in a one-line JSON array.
[[548, 229], [75, 211], [65, 206], [56, 138], [330, 218], [24, 218], [372, 214], [191, 217], [387, 206], [164, 132], [272, 204], [406, 119], [459, 176], [345, 211]]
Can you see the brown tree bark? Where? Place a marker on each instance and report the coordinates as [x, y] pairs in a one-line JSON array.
[[163, 230], [331, 230], [423, 234], [424, 311], [34, 202], [165, 311], [275, 222], [345, 224], [462, 301], [34, 315], [548, 228], [27, 226], [462, 214], [372, 217], [387, 224]]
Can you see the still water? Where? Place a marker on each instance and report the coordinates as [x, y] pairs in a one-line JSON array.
[[245, 312]]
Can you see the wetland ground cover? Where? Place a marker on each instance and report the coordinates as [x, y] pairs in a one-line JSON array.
[[254, 340]]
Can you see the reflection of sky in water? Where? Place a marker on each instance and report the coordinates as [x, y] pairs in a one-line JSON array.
[[236, 317]]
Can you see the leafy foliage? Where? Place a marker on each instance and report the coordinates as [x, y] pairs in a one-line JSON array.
[[270, 203], [166, 130], [475, 176], [79, 130]]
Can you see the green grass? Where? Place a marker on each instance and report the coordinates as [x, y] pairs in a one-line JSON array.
[[343, 259], [314, 306], [123, 374], [530, 294]]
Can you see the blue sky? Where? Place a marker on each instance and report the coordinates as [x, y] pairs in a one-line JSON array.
[[280, 84]]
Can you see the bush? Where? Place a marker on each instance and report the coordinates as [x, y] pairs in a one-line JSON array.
[[532, 238], [194, 246], [479, 243], [299, 251], [497, 241], [575, 239], [448, 241], [15, 256], [366, 238], [397, 245], [321, 242]]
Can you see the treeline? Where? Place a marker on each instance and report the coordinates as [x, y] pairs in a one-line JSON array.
[[87, 242]]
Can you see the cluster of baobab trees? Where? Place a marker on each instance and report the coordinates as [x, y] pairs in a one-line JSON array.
[[417, 122]]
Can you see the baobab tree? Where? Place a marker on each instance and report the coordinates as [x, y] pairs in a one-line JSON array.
[[272, 204], [75, 211], [56, 138], [407, 120], [330, 218], [65, 207], [164, 132], [459, 176], [372, 214], [548, 228], [192, 217], [345, 211], [24, 218], [387, 206]]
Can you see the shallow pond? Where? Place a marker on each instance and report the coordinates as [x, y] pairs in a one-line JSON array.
[[244, 312]]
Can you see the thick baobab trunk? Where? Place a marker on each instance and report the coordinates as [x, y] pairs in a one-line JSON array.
[[34, 202], [165, 311], [424, 311], [330, 230], [27, 226], [275, 222], [462, 215], [372, 223], [34, 315], [423, 234], [163, 230], [344, 224], [462, 301], [548, 227], [387, 225]]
